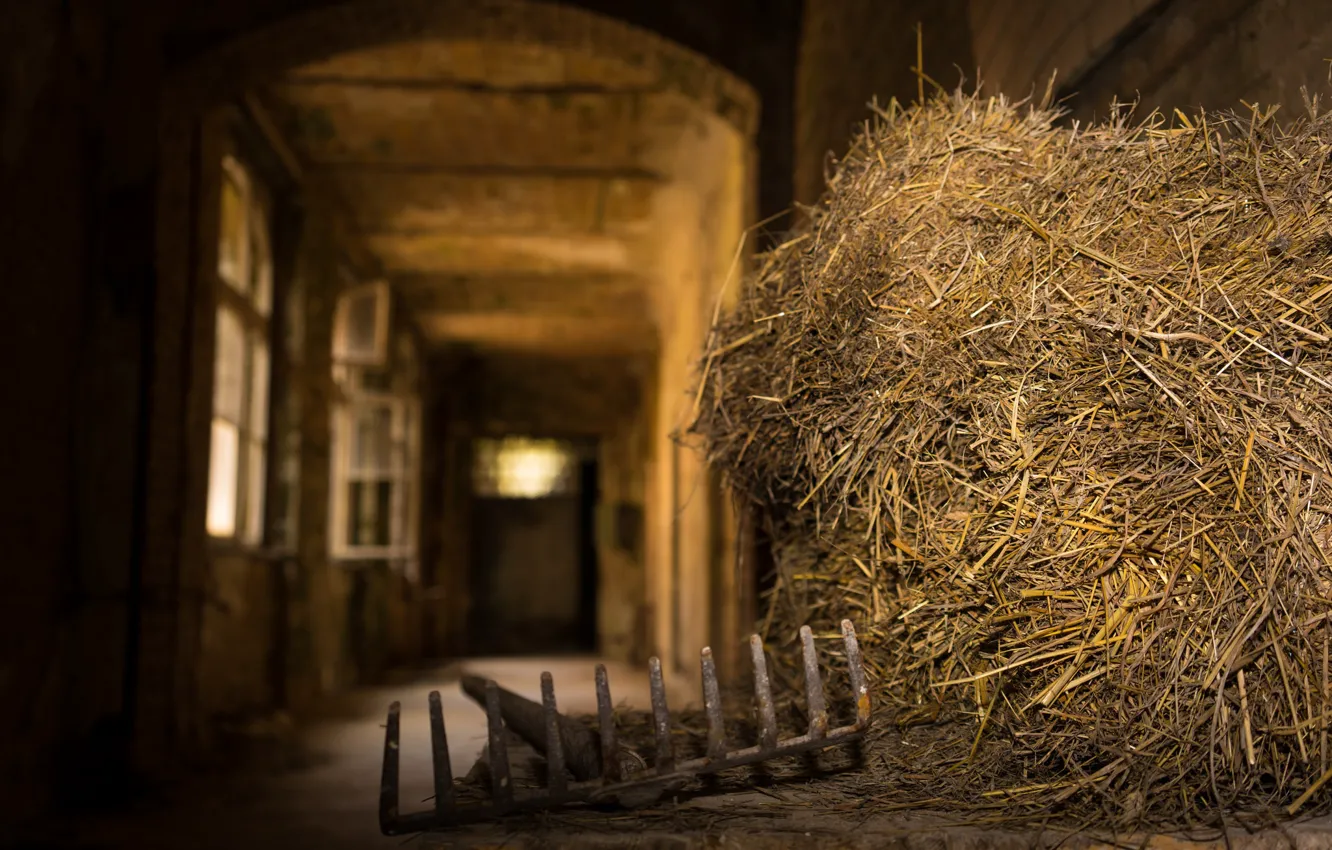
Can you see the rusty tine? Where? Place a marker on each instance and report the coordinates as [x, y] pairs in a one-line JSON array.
[[856, 667], [439, 753], [555, 778], [712, 704], [661, 718], [610, 748], [763, 693], [388, 784], [501, 786], [818, 708], [588, 766]]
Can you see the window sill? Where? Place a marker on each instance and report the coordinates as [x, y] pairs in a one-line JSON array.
[[230, 547]]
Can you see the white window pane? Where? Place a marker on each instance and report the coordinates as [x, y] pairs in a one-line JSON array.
[[372, 439], [229, 366], [254, 497], [369, 508], [233, 236], [362, 322], [259, 372], [362, 316], [223, 465], [261, 262]]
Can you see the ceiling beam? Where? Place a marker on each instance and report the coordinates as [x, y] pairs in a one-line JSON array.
[[490, 171], [469, 202], [554, 335], [464, 283], [457, 253], [573, 299], [471, 86]]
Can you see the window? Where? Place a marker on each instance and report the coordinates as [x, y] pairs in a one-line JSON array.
[[241, 365], [377, 425], [361, 326], [520, 468]]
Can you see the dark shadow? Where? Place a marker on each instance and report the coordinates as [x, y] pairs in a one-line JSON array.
[[589, 497]]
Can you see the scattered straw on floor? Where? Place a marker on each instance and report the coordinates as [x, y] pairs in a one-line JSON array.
[[1047, 412]]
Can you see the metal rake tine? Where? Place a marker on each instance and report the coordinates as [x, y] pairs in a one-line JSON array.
[[818, 708], [555, 778], [856, 665], [661, 718], [500, 783], [388, 783], [712, 704], [610, 748], [439, 754], [763, 693]]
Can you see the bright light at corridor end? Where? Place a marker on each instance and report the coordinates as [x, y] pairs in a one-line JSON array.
[[522, 468]]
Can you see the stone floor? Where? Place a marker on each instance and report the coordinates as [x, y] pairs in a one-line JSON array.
[[328, 798]]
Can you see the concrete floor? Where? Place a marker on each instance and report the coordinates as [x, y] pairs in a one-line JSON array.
[[330, 801]]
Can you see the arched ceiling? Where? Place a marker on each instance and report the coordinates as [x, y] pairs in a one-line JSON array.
[[506, 188]]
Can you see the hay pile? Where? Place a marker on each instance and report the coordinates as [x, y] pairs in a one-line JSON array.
[[1047, 413]]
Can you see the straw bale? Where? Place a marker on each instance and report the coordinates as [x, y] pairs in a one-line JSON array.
[[1047, 411]]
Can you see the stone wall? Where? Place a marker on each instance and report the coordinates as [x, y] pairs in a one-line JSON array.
[[275, 621]]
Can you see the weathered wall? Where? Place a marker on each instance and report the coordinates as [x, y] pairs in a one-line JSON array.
[[1019, 44], [76, 238], [692, 263], [446, 512], [48, 607], [1216, 55], [622, 592], [273, 625]]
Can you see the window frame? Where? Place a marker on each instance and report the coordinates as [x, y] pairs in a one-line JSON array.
[[403, 472], [253, 429], [380, 356]]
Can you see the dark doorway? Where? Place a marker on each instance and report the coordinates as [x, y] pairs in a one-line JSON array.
[[589, 496], [534, 566]]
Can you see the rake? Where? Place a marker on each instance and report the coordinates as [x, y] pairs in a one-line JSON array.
[[604, 773]]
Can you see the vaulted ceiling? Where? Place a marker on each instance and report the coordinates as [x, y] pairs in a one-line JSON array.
[[507, 190]]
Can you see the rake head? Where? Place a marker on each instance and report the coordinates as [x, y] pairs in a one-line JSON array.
[[602, 772]]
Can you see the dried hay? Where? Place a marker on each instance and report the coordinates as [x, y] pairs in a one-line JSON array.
[[1047, 412]]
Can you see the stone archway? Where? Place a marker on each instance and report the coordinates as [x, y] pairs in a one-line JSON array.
[[300, 39]]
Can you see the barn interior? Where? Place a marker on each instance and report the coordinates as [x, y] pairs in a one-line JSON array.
[[354, 343]]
